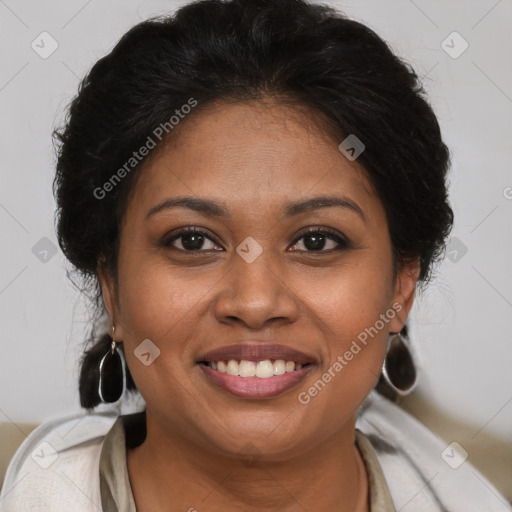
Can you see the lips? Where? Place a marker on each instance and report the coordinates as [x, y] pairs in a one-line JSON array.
[[254, 387], [290, 367], [256, 351]]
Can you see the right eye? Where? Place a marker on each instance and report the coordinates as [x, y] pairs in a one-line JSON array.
[[190, 240]]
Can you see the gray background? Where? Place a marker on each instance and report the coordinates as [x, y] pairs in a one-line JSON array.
[[461, 324]]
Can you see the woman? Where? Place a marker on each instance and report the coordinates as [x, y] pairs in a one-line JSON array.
[[253, 190]]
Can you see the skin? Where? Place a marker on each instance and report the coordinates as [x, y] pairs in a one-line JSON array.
[[253, 157]]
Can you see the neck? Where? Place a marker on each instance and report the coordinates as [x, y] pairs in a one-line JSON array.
[[169, 472]]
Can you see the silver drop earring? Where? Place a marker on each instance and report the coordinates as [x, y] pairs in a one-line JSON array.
[[111, 374], [399, 370]]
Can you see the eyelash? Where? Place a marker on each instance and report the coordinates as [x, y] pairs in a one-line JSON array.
[[342, 242]]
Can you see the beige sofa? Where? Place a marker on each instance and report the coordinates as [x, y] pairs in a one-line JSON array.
[[11, 437]]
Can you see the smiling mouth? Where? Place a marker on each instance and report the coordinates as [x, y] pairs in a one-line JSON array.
[[263, 379], [254, 369]]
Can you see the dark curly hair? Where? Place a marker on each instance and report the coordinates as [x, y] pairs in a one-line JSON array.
[[241, 50]]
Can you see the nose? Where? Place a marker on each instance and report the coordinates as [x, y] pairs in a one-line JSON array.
[[256, 294]]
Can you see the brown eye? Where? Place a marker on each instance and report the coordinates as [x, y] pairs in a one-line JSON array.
[[191, 240], [317, 240]]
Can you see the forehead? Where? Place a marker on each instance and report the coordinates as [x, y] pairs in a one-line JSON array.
[[249, 155]]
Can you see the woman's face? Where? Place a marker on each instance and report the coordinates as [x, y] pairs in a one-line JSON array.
[[257, 177]]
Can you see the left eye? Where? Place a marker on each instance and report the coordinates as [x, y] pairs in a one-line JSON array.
[[319, 241]]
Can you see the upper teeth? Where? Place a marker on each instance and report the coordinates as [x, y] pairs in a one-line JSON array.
[[261, 369]]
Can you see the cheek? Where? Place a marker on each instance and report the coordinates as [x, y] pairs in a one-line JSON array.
[[350, 297], [157, 305], [349, 307]]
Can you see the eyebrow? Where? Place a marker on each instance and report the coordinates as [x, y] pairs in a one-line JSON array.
[[217, 209]]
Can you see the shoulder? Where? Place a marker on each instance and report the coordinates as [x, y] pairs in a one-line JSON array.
[[58, 463], [422, 471]]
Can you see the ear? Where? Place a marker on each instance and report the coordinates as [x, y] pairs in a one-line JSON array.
[[108, 290], [403, 297]]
